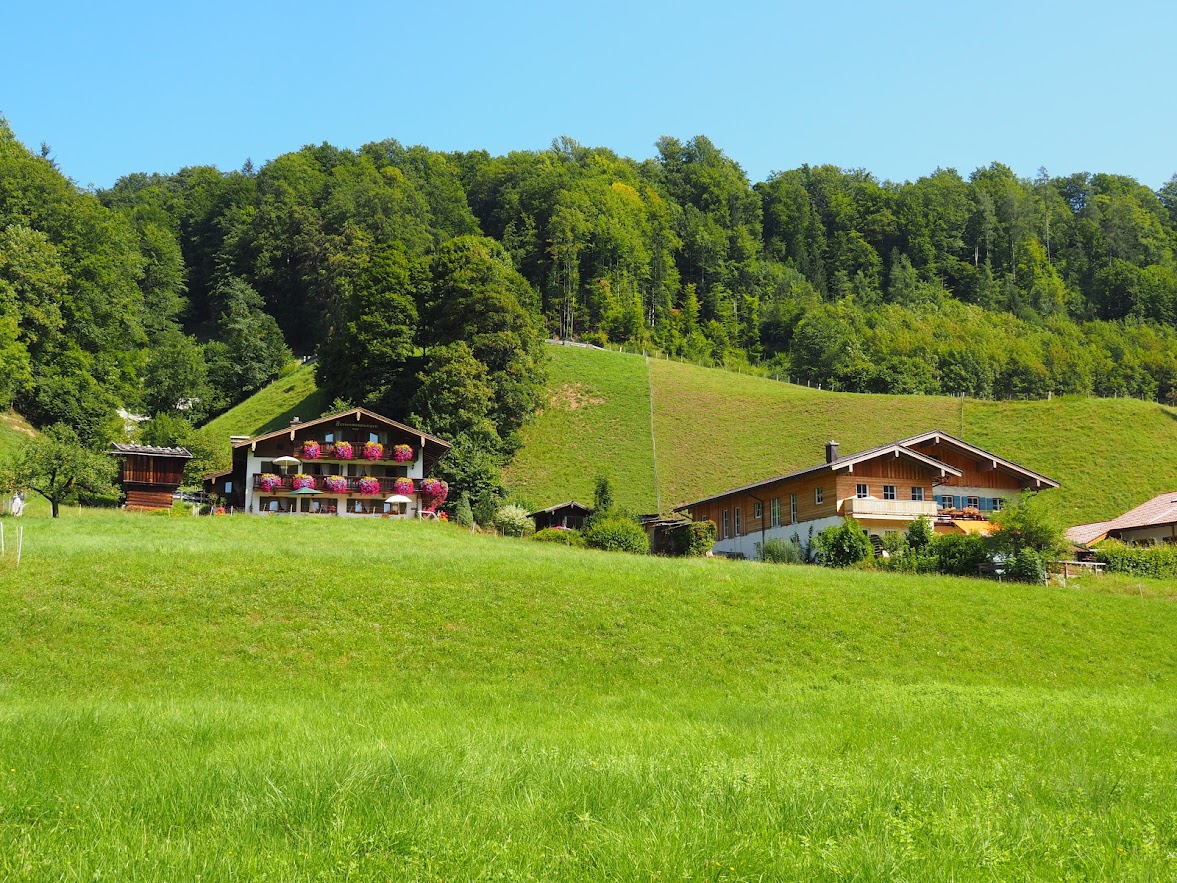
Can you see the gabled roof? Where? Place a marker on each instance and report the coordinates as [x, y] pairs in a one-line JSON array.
[[1160, 510], [357, 412], [150, 451], [569, 504], [895, 449], [997, 462]]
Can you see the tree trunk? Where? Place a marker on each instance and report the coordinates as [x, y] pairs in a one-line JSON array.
[[56, 506]]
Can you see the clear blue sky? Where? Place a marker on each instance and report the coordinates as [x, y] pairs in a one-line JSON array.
[[896, 88]]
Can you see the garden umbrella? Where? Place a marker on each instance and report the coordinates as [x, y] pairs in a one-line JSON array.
[[287, 461]]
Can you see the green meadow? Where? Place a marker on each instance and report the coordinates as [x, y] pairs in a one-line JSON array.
[[306, 699]]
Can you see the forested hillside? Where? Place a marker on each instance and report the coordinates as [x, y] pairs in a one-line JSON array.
[[424, 281]]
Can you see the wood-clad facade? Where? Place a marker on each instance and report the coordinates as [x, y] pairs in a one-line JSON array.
[[148, 475], [885, 489]]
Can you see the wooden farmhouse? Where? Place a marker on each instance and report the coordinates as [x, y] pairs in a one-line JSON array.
[[347, 464], [148, 476], [1149, 524], [954, 484]]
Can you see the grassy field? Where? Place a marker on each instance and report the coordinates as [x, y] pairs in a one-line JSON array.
[[303, 699]]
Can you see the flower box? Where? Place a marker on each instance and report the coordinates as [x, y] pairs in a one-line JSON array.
[[403, 454], [373, 451], [337, 484], [302, 481], [268, 481], [311, 450], [344, 451], [435, 491], [369, 485], [403, 486]]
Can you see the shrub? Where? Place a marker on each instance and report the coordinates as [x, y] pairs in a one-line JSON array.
[[959, 554], [463, 514], [920, 533], [561, 536], [1028, 522], [843, 546], [615, 534], [691, 539], [1155, 561], [778, 551], [1026, 566], [513, 521]]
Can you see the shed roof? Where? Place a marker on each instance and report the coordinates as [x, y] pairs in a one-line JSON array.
[[1160, 510], [150, 451], [551, 509]]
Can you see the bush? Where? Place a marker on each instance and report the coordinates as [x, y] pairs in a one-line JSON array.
[[513, 521], [561, 536], [920, 534], [1029, 523], [617, 535], [463, 514], [778, 551], [959, 554], [1026, 566], [843, 546], [691, 540], [1154, 561]]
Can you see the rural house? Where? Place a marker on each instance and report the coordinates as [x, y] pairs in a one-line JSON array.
[[1149, 524], [954, 484], [355, 462]]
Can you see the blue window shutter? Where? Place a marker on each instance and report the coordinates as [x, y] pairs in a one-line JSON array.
[[956, 503]]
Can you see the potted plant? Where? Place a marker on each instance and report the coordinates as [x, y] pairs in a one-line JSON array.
[[403, 454], [311, 450], [369, 485], [337, 484], [403, 486], [373, 450], [267, 481], [435, 491], [344, 450], [302, 480]]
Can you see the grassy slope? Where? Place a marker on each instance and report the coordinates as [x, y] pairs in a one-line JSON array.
[[596, 420], [13, 430], [385, 700], [272, 407]]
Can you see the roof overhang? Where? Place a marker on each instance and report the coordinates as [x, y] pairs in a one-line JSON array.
[[986, 460]]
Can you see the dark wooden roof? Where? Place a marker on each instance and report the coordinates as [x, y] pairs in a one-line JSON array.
[[356, 412], [571, 504]]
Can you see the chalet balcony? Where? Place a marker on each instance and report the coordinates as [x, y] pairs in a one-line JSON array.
[[353, 485], [327, 451], [870, 507]]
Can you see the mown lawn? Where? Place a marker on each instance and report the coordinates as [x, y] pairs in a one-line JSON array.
[[302, 699]]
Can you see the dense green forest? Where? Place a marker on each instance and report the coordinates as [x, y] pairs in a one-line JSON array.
[[425, 281]]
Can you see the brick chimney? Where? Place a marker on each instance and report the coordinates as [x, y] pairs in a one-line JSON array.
[[831, 451]]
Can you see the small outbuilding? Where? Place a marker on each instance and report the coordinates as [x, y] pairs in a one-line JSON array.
[[149, 475], [571, 515]]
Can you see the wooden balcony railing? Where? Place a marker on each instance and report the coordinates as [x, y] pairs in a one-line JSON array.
[[902, 508], [353, 484]]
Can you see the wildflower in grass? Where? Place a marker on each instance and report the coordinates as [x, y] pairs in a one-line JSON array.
[[344, 450], [373, 450], [403, 454], [311, 450], [302, 480]]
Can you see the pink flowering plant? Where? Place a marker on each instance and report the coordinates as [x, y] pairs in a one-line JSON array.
[[403, 486], [435, 491], [369, 485], [403, 454], [373, 450], [267, 481], [302, 480], [344, 450], [337, 484], [311, 450]]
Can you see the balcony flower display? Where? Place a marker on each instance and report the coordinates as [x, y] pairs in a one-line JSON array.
[[435, 491], [311, 450], [336, 484], [267, 481], [403, 454], [373, 450], [403, 486], [369, 485], [344, 450], [302, 480]]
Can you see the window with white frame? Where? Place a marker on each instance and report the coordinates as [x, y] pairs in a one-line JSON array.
[[774, 509], [917, 494], [975, 502], [862, 491], [738, 525], [792, 508], [725, 524], [946, 501], [818, 496], [759, 511], [888, 492], [998, 502]]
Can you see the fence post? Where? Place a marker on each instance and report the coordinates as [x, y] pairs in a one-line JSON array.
[[20, 545]]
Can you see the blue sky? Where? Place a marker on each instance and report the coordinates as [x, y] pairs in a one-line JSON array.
[[897, 88]]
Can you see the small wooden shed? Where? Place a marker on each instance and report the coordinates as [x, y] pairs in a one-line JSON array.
[[149, 475], [571, 514]]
